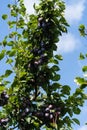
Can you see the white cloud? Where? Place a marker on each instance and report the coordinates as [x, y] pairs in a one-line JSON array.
[[68, 43], [83, 128], [29, 5], [74, 11]]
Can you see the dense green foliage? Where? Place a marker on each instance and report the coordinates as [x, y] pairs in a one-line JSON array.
[[35, 99]]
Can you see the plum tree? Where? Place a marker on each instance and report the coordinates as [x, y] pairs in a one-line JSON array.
[[35, 98]]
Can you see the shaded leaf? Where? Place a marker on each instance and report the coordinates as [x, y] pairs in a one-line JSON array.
[[56, 77], [66, 89], [8, 73], [78, 91], [84, 85], [76, 110], [76, 121], [55, 68]]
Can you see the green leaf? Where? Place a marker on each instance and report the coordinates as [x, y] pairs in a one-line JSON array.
[[6, 82], [54, 61], [9, 61], [81, 57], [84, 69], [2, 54], [55, 68], [55, 86], [54, 47], [66, 89], [86, 55], [11, 24], [56, 77], [2, 89], [4, 16], [11, 43], [4, 42], [82, 26], [82, 30], [8, 73], [79, 80], [11, 53], [78, 91], [76, 121], [59, 57], [84, 85], [76, 110]]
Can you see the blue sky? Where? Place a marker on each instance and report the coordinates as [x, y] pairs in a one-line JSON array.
[[70, 45]]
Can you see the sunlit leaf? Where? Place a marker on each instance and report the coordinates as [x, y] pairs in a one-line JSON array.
[[11, 53], [9, 61], [59, 57], [2, 54], [79, 80], [81, 57], [82, 30], [4, 16], [84, 69]]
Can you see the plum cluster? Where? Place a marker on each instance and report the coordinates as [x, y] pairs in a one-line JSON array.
[[38, 51], [25, 107], [43, 45], [48, 114], [3, 98], [34, 64], [43, 23]]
